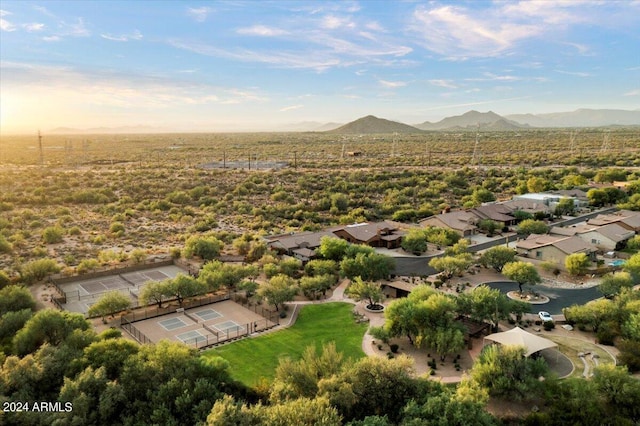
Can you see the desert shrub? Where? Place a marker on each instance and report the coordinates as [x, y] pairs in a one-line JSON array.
[[53, 234], [138, 256], [37, 270], [87, 265]]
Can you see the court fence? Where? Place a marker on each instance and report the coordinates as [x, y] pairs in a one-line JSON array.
[[213, 337]]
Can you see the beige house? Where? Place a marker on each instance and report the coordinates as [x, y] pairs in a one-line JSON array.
[[626, 218], [553, 247], [606, 238], [462, 222]]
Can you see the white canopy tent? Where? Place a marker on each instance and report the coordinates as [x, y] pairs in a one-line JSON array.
[[519, 337]]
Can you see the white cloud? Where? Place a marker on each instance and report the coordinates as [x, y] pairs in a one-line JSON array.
[[33, 27], [199, 14], [51, 38], [575, 73], [77, 29], [495, 28], [291, 108], [448, 84], [392, 84], [4, 24], [332, 22], [635, 92], [136, 35], [261, 30]]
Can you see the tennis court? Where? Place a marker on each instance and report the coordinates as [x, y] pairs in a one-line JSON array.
[[172, 323], [207, 314], [192, 337], [204, 325], [82, 293]]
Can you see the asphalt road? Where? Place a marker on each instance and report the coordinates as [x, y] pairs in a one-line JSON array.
[[558, 297]]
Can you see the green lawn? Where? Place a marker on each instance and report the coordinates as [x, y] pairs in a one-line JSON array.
[[253, 358]]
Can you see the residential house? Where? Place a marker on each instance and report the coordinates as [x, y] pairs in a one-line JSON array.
[[462, 222], [300, 245], [530, 206], [496, 212], [553, 247], [626, 218], [377, 234], [606, 238]]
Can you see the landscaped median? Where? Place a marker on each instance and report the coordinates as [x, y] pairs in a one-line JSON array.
[[250, 360]]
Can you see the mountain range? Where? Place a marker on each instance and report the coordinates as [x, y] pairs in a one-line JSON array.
[[473, 120]]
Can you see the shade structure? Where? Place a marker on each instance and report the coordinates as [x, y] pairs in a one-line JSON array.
[[519, 337]]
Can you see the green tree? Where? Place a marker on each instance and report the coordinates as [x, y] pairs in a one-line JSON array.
[[365, 290], [620, 390], [611, 284], [566, 206], [207, 247], [47, 326], [278, 290], [333, 248], [632, 266], [522, 273], [498, 256], [446, 341], [597, 197], [487, 304], [109, 304], [537, 184], [369, 267], [110, 354], [577, 263], [16, 298], [415, 241], [482, 195], [217, 274], [506, 372], [299, 379], [37, 270], [317, 267], [155, 292], [184, 286], [489, 226], [10, 323], [312, 287], [532, 226], [451, 265]]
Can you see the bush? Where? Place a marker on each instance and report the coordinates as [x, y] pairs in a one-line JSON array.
[[549, 325], [394, 348], [87, 265], [53, 235], [38, 269]]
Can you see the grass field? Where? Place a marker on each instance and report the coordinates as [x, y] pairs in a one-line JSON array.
[[572, 346], [255, 358]]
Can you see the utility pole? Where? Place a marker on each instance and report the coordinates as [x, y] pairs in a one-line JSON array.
[[40, 147]]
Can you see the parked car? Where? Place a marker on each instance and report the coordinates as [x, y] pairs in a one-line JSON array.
[[545, 316]]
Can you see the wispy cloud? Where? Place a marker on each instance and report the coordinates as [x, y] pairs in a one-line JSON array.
[[262, 31], [136, 35], [575, 73], [33, 27], [333, 22], [635, 92], [448, 84], [199, 14], [5, 25], [291, 108], [461, 32], [392, 84]]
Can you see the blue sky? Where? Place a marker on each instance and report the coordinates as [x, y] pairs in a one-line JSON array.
[[258, 65]]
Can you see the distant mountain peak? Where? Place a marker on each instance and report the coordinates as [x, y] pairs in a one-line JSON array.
[[373, 124], [471, 120]]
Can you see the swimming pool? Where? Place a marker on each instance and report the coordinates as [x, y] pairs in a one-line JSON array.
[[617, 262]]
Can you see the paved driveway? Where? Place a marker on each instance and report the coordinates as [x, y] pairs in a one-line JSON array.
[[559, 297]]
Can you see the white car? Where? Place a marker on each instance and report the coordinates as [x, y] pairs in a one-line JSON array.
[[544, 316]]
